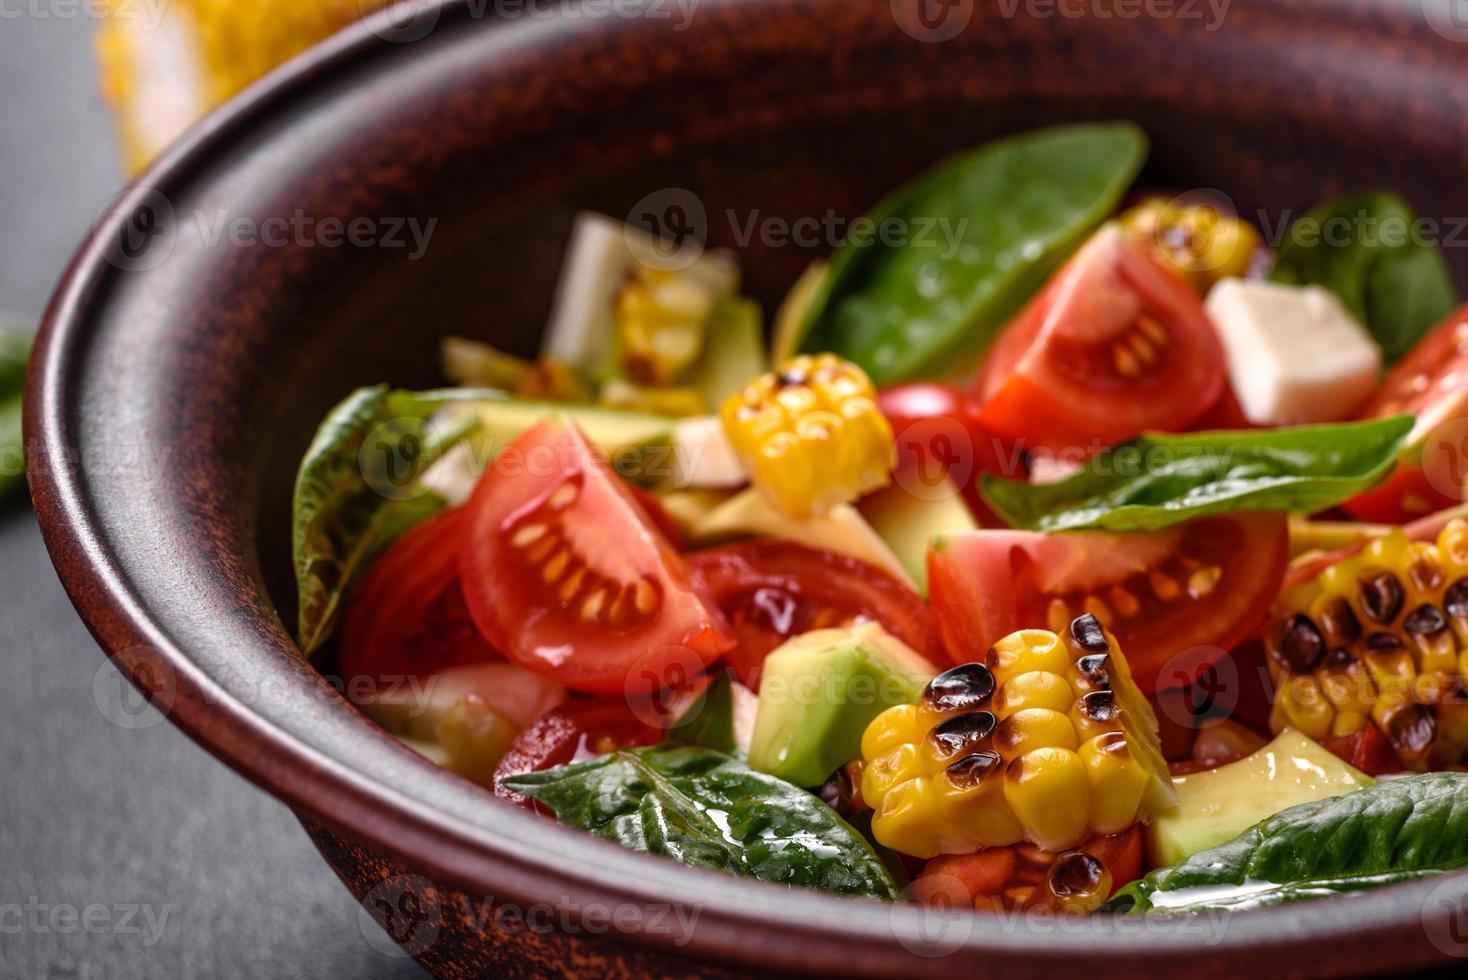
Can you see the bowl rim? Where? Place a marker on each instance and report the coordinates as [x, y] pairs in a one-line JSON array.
[[389, 818]]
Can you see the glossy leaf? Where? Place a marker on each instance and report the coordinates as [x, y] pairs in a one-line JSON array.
[[355, 492], [955, 252], [1394, 831], [706, 809], [15, 352], [1157, 480]]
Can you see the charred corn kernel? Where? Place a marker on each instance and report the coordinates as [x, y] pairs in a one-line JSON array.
[[663, 315], [1200, 242], [811, 434], [1380, 639], [1077, 883], [673, 402], [163, 66], [553, 380], [1048, 740]]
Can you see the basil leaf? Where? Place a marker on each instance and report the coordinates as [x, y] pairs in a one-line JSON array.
[[1158, 480], [15, 353], [703, 808], [1394, 831], [352, 499], [975, 238], [1363, 248], [709, 721]]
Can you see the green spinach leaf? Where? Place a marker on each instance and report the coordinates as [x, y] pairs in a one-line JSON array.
[[15, 353], [356, 491], [949, 257], [703, 808], [1366, 249], [1158, 480], [1394, 831]]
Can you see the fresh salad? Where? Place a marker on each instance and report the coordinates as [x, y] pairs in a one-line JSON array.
[[1099, 557]]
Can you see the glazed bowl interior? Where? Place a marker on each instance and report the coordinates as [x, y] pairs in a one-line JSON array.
[[174, 398]]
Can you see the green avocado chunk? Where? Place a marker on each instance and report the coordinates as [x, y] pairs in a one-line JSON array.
[[819, 692]]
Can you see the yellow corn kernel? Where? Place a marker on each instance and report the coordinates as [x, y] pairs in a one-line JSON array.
[[161, 74], [1034, 728], [1306, 707], [1033, 689], [811, 434], [1049, 792], [663, 316], [893, 727], [906, 821], [989, 757], [1025, 652], [1199, 242], [1452, 547], [1348, 723], [1117, 782]]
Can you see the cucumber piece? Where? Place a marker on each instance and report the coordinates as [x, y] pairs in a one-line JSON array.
[[734, 354]]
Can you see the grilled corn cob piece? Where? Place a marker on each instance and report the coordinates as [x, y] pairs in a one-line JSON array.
[[1197, 241], [1048, 740], [663, 316], [163, 76], [1380, 639], [811, 434]]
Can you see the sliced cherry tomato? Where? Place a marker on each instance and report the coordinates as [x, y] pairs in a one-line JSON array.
[[407, 617], [574, 732], [1113, 346], [659, 516], [1223, 415], [564, 572], [1431, 382], [771, 590], [1177, 599], [938, 436], [1367, 750]]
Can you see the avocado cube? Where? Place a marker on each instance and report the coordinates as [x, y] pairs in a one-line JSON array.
[[1217, 805], [818, 693]]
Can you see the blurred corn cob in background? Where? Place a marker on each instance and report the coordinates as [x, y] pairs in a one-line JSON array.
[[164, 67]]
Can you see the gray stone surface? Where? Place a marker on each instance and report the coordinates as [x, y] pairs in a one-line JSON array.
[[125, 851]]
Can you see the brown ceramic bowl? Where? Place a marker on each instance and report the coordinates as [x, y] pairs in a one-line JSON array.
[[179, 379]]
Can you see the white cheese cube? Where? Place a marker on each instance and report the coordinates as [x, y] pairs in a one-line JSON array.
[[1295, 354]]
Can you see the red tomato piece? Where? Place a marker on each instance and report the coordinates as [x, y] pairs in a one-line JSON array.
[[1176, 599], [1431, 382], [1367, 750], [1113, 346], [572, 733], [1223, 415], [565, 572], [407, 617], [659, 516], [771, 590], [938, 436]]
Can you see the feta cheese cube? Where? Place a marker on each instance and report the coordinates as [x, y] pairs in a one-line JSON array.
[[1295, 354]]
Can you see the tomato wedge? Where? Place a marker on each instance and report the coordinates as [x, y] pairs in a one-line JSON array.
[[406, 617], [771, 590], [1177, 599], [572, 733], [1431, 382], [566, 574], [1113, 346]]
